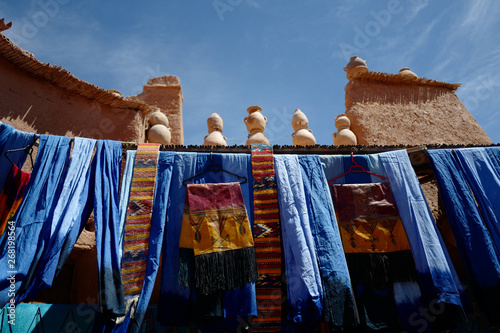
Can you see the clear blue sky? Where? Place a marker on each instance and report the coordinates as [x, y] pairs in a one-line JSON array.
[[281, 55]]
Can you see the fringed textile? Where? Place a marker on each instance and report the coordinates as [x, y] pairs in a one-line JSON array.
[[267, 233], [12, 194], [216, 227], [138, 222]]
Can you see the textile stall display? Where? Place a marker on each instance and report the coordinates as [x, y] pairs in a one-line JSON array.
[[253, 241]]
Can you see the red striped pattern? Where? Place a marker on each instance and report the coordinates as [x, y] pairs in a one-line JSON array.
[[138, 223], [267, 241]]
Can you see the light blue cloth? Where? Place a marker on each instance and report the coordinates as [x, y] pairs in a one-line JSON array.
[[35, 210], [71, 212], [474, 242], [305, 289], [11, 138], [484, 181], [338, 304], [175, 301], [437, 278], [107, 220], [128, 172]]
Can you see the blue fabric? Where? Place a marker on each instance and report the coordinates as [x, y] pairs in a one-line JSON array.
[[11, 138], [494, 155], [107, 219], [175, 302], [474, 242], [338, 304], [70, 215], [161, 197], [36, 209], [437, 279], [484, 181], [128, 172], [305, 290], [335, 165]]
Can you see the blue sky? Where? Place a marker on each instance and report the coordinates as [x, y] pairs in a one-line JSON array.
[[281, 55]]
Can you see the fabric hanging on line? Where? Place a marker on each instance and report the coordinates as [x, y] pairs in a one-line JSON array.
[[37, 207], [11, 138], [304, 287], [11, 195], [125, 195], [106, 219], [494, 155], [138, 222], [216, 227], [178, 305], [71, 212], [474, 241], [338, 298], [267, 233], [439, 283], [484, 181], [407, 300]]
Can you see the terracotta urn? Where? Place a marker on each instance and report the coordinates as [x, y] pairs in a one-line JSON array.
[[299, 120], [355, 65], [407, 72], [303, 137], [256, 137], [215, 137], [158, 117], [159, 134], [255, 120], [344, 135]]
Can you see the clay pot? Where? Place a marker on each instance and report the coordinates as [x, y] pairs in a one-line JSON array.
[[407, 72], [255, 120], [257, 137], [299, 120], [158, 117], [344, 136], [214, 123], [215, 138], [355, 65], [159, 134], [303, 137], [342, 121]]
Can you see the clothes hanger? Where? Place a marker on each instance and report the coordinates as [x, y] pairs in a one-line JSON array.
[[355, 168], [28, 149], [214, 168]]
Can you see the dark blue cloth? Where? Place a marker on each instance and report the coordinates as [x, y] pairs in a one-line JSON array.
[[36, 209], [175, 305], [338, 299], [494, 155], [474, 242], [68, 219], [107, 219], [484, 181], [11, 138]]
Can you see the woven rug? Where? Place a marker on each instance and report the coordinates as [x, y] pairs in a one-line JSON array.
[[12, 194], [267, 234], [138, 222]]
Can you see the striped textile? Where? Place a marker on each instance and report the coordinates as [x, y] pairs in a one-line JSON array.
[[267, 235], [138, 222]]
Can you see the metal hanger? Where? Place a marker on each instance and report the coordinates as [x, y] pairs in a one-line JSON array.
[[355, 168], [28, 149], [214, 168]]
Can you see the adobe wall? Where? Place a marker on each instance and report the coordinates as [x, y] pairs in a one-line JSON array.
[[165, 92], [35, 105], [382, 113]]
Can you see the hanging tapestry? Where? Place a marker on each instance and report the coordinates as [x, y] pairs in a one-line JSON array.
[[215, 225], [267, 240], [12, 194], [138, 222]]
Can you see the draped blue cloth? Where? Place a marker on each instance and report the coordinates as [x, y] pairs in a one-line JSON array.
[[436, 275], [484, 181], [36, 209], [474, 241], [128, 172], [304, 286], [11, 138], [176, 303], [107, 233], [494, 155], [71, 212], [338, 298]]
